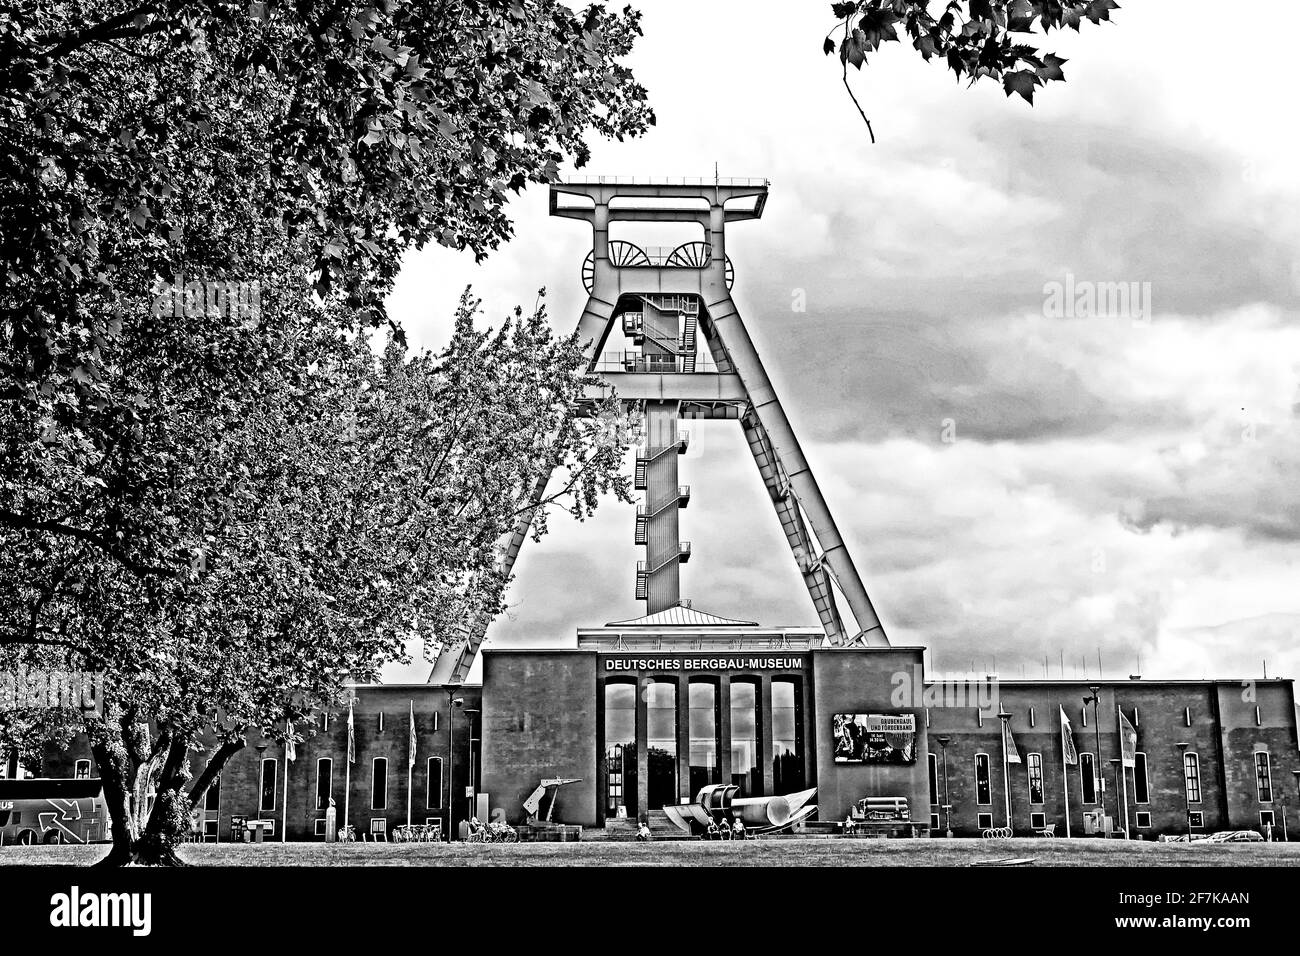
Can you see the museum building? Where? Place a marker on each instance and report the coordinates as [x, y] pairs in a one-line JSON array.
[[644, 714]]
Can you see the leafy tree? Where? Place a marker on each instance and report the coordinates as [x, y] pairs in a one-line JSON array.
[[349, 516], [974, 38], [202, 206]]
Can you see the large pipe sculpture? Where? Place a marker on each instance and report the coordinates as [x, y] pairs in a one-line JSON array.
[[718, 802]]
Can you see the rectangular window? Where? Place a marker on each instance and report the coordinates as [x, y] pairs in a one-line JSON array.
[[1034, 766], [1144, 819], [379, 784], [1141, 786], [1192, 777], [267, 803], [1196, 820], [320, 827], [1087, 778], [1038, 820], [983, 791], [984, 821], [1263, 777], [934, 821], [324, 782], [82, 770], [212, 799], [934, 779], [1266, 818], [434, 799]]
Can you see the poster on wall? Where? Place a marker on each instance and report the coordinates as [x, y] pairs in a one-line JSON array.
[[875, 738]]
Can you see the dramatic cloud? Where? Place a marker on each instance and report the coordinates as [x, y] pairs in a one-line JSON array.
[[1020, 491]]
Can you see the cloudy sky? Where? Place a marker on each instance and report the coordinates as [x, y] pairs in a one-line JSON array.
[[1015, 485]]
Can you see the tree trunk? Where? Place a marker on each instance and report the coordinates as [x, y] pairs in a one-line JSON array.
[[150, 838]]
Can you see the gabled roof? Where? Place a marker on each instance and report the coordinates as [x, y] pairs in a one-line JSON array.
[[679, 616]]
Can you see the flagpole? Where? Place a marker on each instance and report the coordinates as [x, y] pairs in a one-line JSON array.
[[1123, 773], [1065, 773], [347, 773], [410, 764], [284, 808], [1006, 764]]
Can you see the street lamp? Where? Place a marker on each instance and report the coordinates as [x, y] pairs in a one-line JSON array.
[[451, 752], [1182, 746], [1099, 779], [1006, 765], [947, 805]]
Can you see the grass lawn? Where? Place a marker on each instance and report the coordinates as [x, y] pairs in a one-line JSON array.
[[935, 852]]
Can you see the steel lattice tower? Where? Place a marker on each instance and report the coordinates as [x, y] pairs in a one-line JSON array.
[[675, 307]]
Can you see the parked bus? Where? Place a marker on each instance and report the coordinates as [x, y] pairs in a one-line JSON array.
[[43, 810]]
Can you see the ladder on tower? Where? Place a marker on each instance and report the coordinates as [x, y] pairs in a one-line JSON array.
[[689, 323]]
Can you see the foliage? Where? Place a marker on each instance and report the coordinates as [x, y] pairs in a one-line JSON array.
[[210, 487], [974, 38]]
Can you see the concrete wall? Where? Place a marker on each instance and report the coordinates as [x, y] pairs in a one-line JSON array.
[[539, 721], [856, 681]]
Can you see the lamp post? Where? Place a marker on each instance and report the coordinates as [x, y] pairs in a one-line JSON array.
[[1182, 746], [1006, 765], [453, 703], [947, 804], [1099, 779]]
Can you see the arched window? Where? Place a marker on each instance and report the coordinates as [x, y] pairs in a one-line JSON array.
[[1192, 777], [1034, 767], [433, 799], [379, 784], [983, 787], [267, 802], [324, 782]]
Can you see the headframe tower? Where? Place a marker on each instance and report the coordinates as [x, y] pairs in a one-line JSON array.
[[692, 358]]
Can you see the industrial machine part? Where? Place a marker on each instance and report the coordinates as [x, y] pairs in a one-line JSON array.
[[718, 802], [534, 801]]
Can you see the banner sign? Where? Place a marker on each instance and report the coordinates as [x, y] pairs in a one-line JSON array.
[[736, 662], [875, 738]]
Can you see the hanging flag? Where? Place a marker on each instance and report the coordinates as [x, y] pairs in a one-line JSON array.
[[1128, 739], [1013, 755], [1067, 740], [290, 753], [410, 757], [352, 737]]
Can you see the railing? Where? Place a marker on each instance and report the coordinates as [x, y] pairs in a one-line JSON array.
[[652, 364], [674, 303], [588, 180]]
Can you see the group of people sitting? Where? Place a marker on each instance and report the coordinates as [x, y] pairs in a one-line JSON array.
[[721, 831]]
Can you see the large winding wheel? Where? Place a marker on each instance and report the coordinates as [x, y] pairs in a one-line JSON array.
[[621, 254], [697, 255]]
